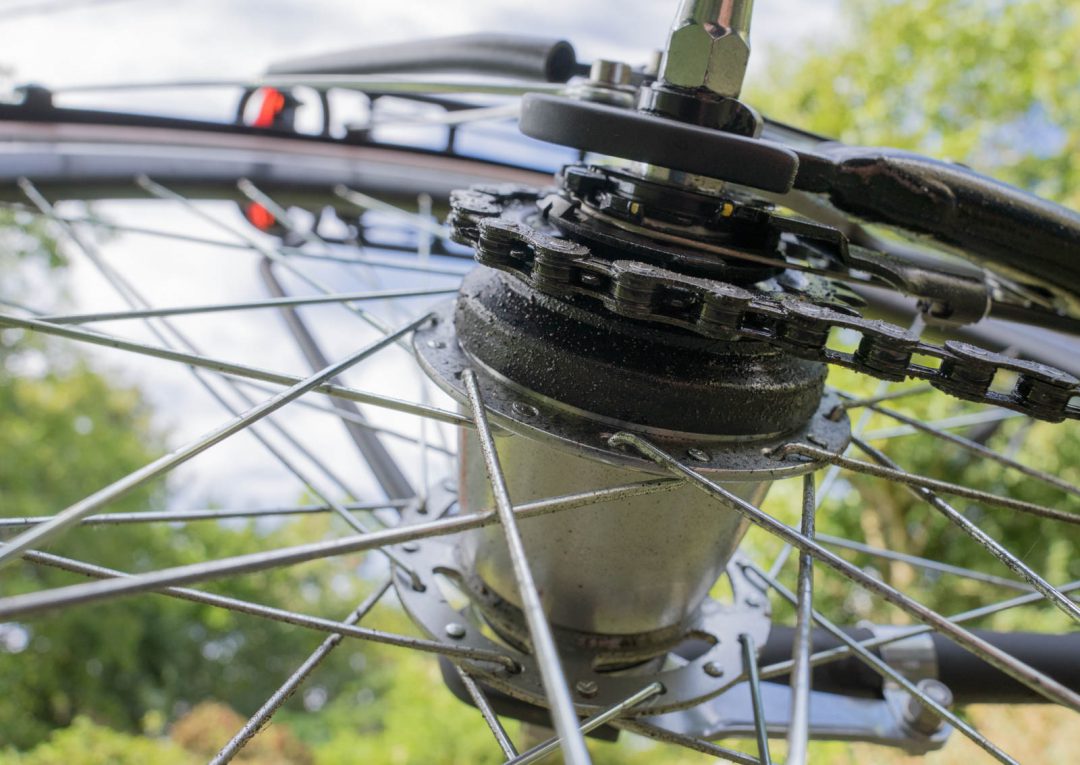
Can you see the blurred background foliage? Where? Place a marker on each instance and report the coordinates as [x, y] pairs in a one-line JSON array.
[[994, 84]]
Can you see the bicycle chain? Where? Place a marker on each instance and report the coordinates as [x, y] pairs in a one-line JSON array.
[[635, 290]]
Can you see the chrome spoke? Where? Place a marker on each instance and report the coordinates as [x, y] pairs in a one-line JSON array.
[[186, 516], [657, 733], [281, 615], [910, 479], [1002, 660], [261, 717], [1013, 563], [948, 423], [345, 297], [476, 693], [590, 723], [164, 464], [914, 560], [229, 368], [798, 736], [543, 642], [36, 602], [982, 451], [368, 202], [781, 668], [883, 669], [749, 654]]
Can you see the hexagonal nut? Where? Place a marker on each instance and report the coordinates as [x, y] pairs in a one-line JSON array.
[[706, 56]]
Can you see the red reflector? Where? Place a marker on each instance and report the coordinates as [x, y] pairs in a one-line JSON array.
[[273, 101], [259, 216]]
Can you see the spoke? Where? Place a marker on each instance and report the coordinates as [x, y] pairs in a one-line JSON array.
[[657, 733], [164, 464], [589, 724], [749, 653], [185, 516], [230, 368], [398, 264], [59, 597], [353, 418], [982, 451], [345, 297], [286, 617], [885, 670], [910, 479], [855, 403], [914, 560], [459, 117], [135, 299], [1018, 670], [282, 694], [1013, 563], [798, 736], [271, 253], [959, 421], [492, 720], [367, 202], [543, 643], [840, 652]]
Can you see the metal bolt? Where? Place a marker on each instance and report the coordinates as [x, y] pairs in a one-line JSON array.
[[455, 630], [410, 547], [712, 669], [609, 72], [586, 688], [522, 409], [921, 719], [698, 454]]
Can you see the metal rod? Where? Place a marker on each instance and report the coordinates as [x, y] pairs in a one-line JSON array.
[[185, 516], [1013, 563], [36, 602], [256, 722], [996, 657], [135, 299], [164, 464], [885, 670], [798, 736], [910, 479], [345, 297], [108, 575], [749, 653], [563, 715], [657, 733], [959, 421], [589, 724], [926, 563], [982, 451], [839, 652], [230, 368], [368, 202], [855, 403], [492, 720]]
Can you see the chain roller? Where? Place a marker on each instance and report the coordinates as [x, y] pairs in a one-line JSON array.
[[715, 309]]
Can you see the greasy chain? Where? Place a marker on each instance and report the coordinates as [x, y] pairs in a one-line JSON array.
[[716, 309]]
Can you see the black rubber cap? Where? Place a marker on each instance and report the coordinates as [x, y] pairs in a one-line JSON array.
[[648, 138]]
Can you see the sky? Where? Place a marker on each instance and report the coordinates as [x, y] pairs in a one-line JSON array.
[[68, 42], [74, 41]]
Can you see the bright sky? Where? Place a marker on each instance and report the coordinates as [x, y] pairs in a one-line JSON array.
[[72, 41]]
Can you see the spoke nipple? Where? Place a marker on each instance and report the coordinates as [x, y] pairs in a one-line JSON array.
[[455, 630], [713, 669], [835, 413], [699, 455], [587, 688]]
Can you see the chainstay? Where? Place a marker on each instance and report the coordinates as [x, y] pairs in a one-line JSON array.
[[714, 309]]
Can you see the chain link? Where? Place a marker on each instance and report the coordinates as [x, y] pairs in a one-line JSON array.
[[715, 309]]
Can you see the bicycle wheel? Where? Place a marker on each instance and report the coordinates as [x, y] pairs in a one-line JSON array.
[[570, 564]]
